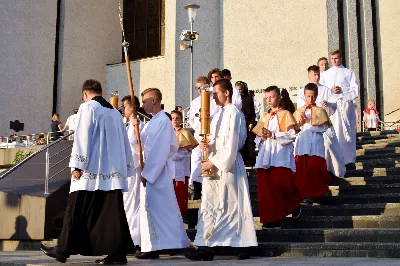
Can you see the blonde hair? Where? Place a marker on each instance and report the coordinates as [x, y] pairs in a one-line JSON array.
[[336, 52], [156, 91], [56, 117], [371, 101]]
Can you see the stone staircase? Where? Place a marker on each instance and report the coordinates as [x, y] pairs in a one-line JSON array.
[[359, 218]]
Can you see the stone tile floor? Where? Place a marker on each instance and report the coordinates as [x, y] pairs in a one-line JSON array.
[[22, 258]]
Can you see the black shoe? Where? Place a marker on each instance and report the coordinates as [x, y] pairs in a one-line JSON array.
[[350, 166], [243, 256], [296, 213], [52, 252], [174, 252], [200, 254], [273, 225], [306, 202], [147, 255], [113, 260]]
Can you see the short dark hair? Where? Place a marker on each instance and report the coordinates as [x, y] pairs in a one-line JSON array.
[[311, 87], [251, 93], [213, 71], [156, 91], [129, 99], [225, 85], [313, 68], [76, 111], [273, 88], [178, 113], [92, 85], [226, 72], [177, 107]]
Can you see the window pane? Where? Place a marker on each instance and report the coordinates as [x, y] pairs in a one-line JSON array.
[[140, 14], [153, 18], [139, 48], [153, 42]]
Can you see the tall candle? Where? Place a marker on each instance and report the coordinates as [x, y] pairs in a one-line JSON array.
[[114, 99], [205, 112]]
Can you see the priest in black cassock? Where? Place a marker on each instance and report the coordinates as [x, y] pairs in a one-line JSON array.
[[95, 223]]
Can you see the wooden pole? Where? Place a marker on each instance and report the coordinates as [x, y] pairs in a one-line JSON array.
[[125, 44], [132, 92]]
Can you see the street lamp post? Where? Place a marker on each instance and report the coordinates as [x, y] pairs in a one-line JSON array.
[[192, 10]]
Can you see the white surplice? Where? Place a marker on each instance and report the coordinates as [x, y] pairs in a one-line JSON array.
[[371, 119], [182, 164], [132, 197], [101, 149], [333, 153], [225, 214], [310, 140], [161, 224], [237, 98], [196, 157], [344, 119], [277, 152]]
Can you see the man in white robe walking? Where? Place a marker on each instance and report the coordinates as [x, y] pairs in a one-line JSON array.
[[95, 222], [225, 215], [333, 153], [161, 224], [342, 81]]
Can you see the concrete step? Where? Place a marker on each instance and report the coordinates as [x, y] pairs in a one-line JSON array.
[[351, 181], [374, 151], [365, 189], [376, 137], [359, 199], [329, 235], [364, 221], [373, 172], [343, 249], [378, 141], [381, 144], [377, 133], [383, 209]]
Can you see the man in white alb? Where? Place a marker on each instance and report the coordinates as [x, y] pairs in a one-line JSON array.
[[342, 81], [70, 124], [161, 224], [225, 214]]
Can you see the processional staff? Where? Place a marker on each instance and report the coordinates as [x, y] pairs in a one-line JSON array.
[[205, 125], [125, 44]]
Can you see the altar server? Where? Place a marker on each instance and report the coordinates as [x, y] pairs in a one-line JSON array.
[[194, 121], [277, 194], [181, 158], [371, 117], [225, 214], [132, 197], [312, 176], [161, 224], [342, 81], [95, 222], [333, 153]]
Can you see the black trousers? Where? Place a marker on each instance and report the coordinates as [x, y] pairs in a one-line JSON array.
[[95, 224]]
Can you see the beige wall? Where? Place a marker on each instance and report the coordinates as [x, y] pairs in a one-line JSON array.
[[389, 21], [27, 30], [273, 42], [90, 39]]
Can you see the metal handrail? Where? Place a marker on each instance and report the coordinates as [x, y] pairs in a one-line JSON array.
[[393, 111], [16, 166]]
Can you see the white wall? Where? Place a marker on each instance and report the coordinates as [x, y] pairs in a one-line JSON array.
[[273, 42], [389, 21], [27, 30], [90, 39]]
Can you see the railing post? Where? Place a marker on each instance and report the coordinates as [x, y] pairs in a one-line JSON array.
[[46, 180]]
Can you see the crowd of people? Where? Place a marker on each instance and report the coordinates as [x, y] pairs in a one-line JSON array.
[[116, 206]]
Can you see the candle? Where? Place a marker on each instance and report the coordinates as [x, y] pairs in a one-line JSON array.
[[114, 99], [205, 112]]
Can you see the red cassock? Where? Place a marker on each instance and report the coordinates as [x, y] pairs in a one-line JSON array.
[[312, 177], [277, 195], [181, 192]]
